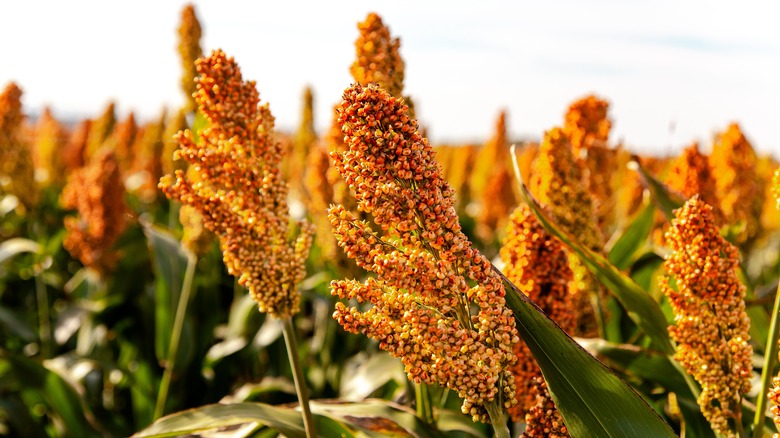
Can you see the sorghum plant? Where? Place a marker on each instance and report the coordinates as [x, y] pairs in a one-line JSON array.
[[97, 193], [436, 302], [50, 139], [237, 186], [733, 162], [17, 175], [557, 183], [587, 127], [690, 175], [235, 183], [302, 143], [189, 51], [74, 153], [491, 156], [711, 326], [377, 59], [100, 130], [538, 265]]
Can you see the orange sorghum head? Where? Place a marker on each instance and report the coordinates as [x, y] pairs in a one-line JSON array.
[[712, 327], [17, 173], [586, 123], [490, 159], [544, 420], [537, 263], [498, 200], [97, 194], [557, 182], [690, 175], [239, 189], [302, 143], [437, 303], [189, 51], [50, 139], [100, 130], [378, 60], [740, 193]]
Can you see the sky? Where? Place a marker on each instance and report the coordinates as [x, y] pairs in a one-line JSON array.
[[674, 72]]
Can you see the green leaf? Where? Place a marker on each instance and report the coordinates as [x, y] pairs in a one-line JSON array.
[[170, 263], [641, 307], [61, 397], [228, 417], [632, 239], [362, 379], [592, 400], [666, 200], [16, 325], [377, 417], [17, 245]]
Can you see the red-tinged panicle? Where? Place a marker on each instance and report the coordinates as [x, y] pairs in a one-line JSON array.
[[436, 302], [740, 193], [237, 187], [712, 327], [97, 193], [690, 175], [17, 173], [377, 60], [544, 420]]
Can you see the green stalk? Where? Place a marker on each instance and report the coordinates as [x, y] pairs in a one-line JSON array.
[[300, 385], [44, 319], [770, 356], [178, 325], [423, 399], [497, 420]]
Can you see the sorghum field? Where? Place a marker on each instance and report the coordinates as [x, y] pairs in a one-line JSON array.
[[204, 274]]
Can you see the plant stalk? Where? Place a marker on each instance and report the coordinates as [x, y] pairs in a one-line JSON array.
[[497, 420], [423, 402], [178, 325], [770, 357], [300, 384], [44, 318]]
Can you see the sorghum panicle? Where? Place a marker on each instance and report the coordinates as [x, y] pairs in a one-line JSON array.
[[425, 311], [74, 153], [17, 173], [712, 327], [97, 193], [740, 193], [50, 139], [538, 265], [123, 140], [557, 183], [544, 420], [493, 155], [302, 142], [378, 60], [238, 189], [100, 130], [189, 51], [586, 123], [498, 200], [690, 175], [147, 166], [587, 127]]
